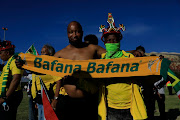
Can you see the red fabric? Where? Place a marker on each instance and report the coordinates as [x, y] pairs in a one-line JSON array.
[[48, 110], [118, 32], [7, 47]]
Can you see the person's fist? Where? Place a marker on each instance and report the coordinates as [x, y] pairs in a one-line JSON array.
[[19, 62]]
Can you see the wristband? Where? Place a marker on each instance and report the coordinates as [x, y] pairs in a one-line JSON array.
[[55, 98]]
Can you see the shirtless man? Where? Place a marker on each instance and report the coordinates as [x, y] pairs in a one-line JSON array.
[[76, 50]]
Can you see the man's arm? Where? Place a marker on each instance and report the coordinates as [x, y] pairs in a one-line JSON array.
[[100, 50], [13, 85], [55, 100], [58, 54], [135, 53], [73, 92], [69, 83]]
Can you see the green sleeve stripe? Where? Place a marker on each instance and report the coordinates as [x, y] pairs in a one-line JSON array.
[[4, 82]]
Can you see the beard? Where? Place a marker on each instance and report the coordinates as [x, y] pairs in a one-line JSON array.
[[76, 43]]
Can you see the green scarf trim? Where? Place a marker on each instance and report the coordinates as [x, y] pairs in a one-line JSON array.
[[5, 77]]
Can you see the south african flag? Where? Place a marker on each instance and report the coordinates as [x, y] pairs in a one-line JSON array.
[[175, 81], [32, 50]]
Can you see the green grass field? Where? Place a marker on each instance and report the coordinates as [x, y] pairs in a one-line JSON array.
[[23, 109], [172, 108]]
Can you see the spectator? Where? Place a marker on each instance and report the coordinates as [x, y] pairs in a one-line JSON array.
[[160, 97], [91, 39], [120, 95], [35, 88], [77, 101], [10, 91], [141, 50], [169, 86], [48, 80]]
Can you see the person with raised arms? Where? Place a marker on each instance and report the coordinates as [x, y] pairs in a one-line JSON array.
[[121, 97], [79, 106]]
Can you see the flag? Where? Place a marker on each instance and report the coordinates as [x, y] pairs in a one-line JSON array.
[[49, 113], [32, 50], [175, 81]]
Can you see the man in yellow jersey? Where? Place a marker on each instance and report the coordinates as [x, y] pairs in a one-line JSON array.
[[121, 98], [10, 92]]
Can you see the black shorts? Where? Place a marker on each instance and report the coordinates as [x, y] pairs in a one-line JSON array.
[[13, 102], [76, 108], [119, 114]]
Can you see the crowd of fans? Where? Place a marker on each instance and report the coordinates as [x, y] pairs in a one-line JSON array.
[[72, 98]]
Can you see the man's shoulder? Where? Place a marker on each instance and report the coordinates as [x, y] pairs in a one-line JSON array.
[[60, 52], [13, 64], [92, 46], [57, 54], [96, 47], [14, 68]]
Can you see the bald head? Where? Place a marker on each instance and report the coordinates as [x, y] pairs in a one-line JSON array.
[[75, 33], [76, 24]]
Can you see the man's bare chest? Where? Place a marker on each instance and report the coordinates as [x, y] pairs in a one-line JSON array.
[[78, 54]]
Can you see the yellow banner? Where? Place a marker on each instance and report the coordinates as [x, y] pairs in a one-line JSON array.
[[98, 68]]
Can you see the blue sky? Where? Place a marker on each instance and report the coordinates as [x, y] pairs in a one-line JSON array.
[[153, 24]]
